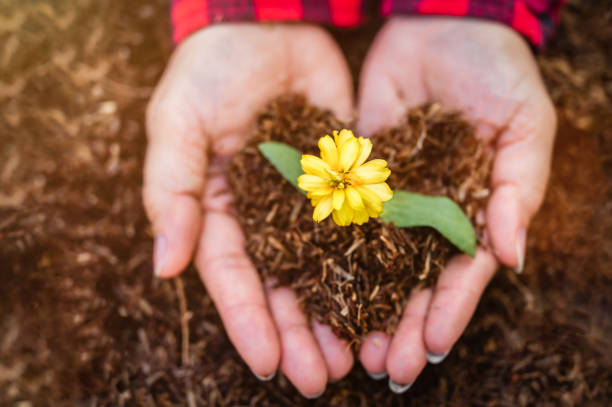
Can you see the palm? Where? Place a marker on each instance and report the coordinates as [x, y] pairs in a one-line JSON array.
[[200, 115], [486, 71]]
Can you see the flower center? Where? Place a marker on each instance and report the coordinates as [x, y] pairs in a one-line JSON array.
[[339, 181]]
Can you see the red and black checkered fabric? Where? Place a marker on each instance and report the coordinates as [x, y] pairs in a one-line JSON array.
[[534, 19]]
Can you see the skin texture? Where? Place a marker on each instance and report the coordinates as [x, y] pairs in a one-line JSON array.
[[488, 72], [200, 115]]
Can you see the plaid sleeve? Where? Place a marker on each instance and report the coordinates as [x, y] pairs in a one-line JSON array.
[[534, 19], [190, 15]]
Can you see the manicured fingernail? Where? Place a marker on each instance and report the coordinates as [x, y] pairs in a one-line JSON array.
[[377, 376], [521, 240], [315, 396], [434, 358], [159, 254], [398, 388], [265, 378]]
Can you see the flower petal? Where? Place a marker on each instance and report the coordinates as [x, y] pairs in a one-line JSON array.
[[323, 209], [329, 152], [338, 198], [370, 199], [349, 151], [344, 216], [377, 163], [364, 152], [372, 213], [320, 192], [314, 165], [360, 217], [382, 190], [354, 198], [314, 201], [343, 136], [309, 182], [370, 173]]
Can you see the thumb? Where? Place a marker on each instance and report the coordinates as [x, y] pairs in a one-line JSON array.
[[520, 175], [174, 178]]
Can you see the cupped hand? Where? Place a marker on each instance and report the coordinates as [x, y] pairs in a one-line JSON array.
[[200, 114], [487, 71]]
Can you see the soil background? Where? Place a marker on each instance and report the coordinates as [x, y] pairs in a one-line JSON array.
[[82, 321]]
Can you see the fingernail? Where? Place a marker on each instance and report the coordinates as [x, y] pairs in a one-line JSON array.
[[265, 378], [521, 240], [377, 376], [398, 388], [435, 358], [315, 396], [159, 254]]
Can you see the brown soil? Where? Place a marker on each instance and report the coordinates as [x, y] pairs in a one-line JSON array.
[[82, 321], [356, 279]]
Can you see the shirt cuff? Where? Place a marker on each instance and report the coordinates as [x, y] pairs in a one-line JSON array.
[[534, 19], [190, 15]]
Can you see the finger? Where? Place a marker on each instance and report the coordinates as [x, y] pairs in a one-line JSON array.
[[337, 353], [507, 225], [322, 74], [407, 354], [455, 297], [520, 174], [173, 181], [235, 288], [389, 83], [302, 361], [373, 354]]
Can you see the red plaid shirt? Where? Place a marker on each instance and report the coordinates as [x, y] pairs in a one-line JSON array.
[[535, 19]]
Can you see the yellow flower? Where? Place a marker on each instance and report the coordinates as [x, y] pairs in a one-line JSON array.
[[342, 183]]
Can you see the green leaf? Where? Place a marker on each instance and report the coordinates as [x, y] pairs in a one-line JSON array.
[[285, 159], [407, 209]]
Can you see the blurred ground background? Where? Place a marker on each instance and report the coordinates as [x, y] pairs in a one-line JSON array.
[[82, 321]]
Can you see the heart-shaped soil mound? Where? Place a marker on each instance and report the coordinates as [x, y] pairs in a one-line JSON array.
[[357, 278]]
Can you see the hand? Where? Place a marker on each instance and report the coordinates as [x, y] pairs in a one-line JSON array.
[[200, 114], [487, 71]]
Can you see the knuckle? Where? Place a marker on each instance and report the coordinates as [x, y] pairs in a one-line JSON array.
[[149, 203], [244, 308], [234, 261], [296, 328], [445, 291], [534, 201], [413, 318], [544, 114]]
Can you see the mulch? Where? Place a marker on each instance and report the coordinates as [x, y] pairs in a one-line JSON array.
[[83, 322], [356, 279]]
